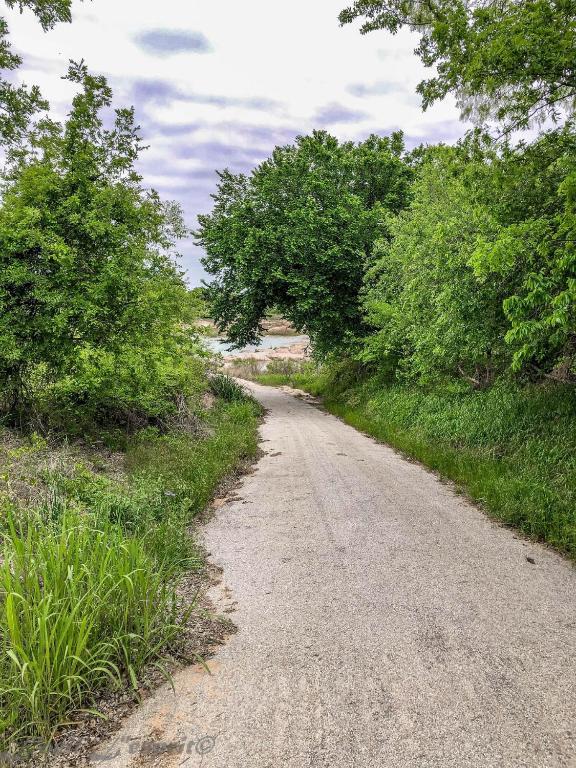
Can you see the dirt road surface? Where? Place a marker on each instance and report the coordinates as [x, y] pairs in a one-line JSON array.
[[383, 621]]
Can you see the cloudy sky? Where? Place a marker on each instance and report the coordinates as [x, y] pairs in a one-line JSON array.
[[219, 84]]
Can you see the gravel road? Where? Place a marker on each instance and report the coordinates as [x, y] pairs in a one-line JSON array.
[[383, 621]]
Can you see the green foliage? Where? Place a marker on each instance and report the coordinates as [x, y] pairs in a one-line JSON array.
[[297, 234], [510, 61], [82, 605], [48, 12], [19, 103], [192, 469], [472, 270], [91, 301], [534, 251], [89, 576], [225, 387], [479, 274], [431, 314], [200, 302], [156, 383]]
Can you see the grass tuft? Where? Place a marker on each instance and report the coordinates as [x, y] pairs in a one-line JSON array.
[[226, 388]]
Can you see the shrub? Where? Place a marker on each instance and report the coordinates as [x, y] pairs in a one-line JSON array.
[[92, 303], [225, 387]]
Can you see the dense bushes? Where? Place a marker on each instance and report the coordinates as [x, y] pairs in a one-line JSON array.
[[224, 386], [424, 301], [127, 389], [478, 278], [92, 305]]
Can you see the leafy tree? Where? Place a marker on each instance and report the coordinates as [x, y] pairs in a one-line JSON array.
[[19, 103], [479, 275], [512, 61], [85, 251], [297, 235], [535, 251], [431, 313]]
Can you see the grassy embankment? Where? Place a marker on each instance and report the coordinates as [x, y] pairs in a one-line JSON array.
[[94, 547], [511, 448]]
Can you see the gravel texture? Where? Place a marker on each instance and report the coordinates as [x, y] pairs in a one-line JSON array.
[[383, 621]]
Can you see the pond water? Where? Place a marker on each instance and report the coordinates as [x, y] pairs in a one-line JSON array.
[[266, 342]]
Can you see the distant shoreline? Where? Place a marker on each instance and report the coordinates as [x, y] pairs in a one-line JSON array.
[[274, 326]]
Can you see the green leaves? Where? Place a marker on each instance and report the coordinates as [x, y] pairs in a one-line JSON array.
[[512, 62], [18, 104], [535, 251], [423, 298], [297, 235], [87, 271], [48, 12], [479, 275]]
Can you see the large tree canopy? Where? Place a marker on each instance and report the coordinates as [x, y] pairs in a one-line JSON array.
[[297, 235], [510, 61]]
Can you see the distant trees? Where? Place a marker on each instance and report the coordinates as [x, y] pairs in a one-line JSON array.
[[199, 302], [297, 235]]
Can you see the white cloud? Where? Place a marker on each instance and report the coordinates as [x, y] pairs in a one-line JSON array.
[[265, 74]]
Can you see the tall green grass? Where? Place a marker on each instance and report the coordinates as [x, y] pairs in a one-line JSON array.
[[191, 470], [224, 386], [82, 606], [88, 579]]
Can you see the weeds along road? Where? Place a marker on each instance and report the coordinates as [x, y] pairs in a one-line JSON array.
[[383, 621]]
